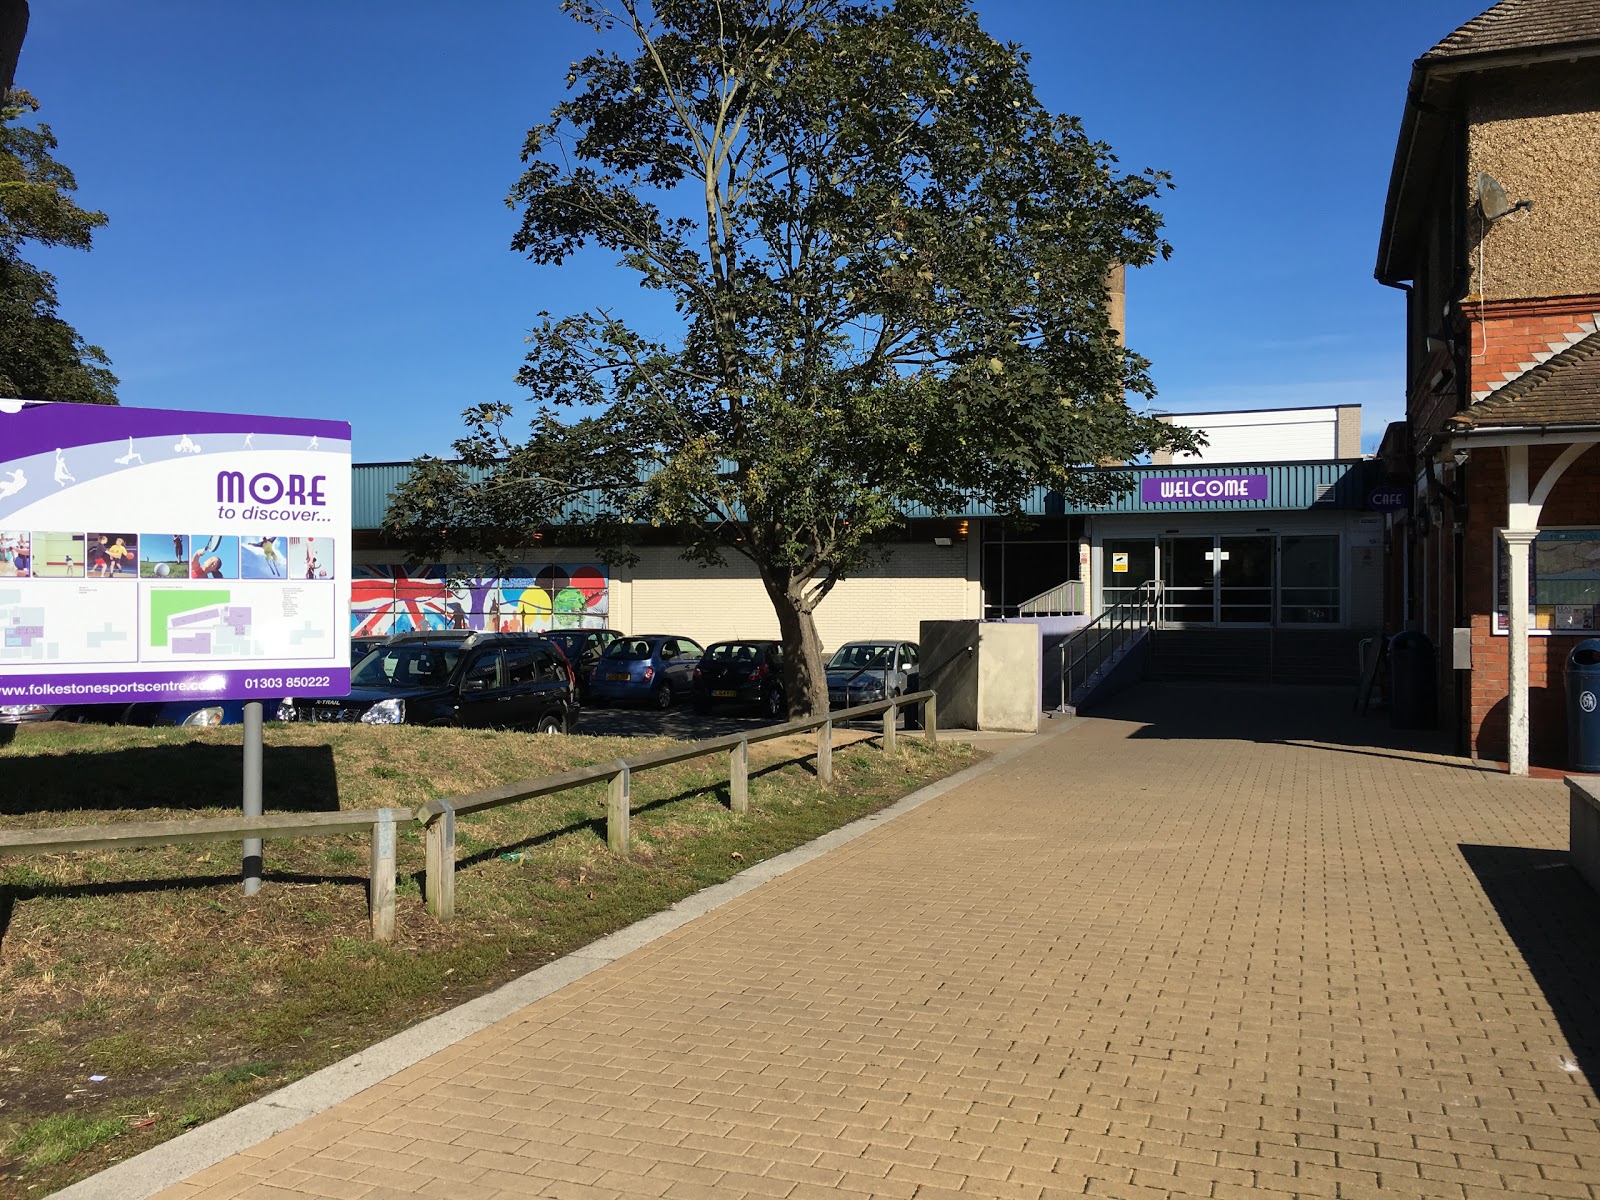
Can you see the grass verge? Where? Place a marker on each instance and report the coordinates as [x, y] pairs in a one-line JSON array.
[[150, 970]]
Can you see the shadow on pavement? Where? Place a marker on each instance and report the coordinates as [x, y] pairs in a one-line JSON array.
[[1554, 919], [1319, 717]]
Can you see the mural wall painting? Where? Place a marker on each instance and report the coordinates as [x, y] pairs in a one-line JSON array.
[[386, 599]]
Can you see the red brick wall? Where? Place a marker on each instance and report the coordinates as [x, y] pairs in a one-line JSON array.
[[1508, 335], [1575, 501]]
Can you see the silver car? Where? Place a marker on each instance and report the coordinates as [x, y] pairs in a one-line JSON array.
[[861, 672], [12, 715]]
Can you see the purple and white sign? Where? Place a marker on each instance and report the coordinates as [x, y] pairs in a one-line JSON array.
[[1189, 489], [148, 554]]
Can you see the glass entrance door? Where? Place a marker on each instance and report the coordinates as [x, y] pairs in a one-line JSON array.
[[1232, 579], [1245, 580], [1188, 581]]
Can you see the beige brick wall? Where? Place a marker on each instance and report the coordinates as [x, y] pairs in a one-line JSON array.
[[919, 582], [664, 594]]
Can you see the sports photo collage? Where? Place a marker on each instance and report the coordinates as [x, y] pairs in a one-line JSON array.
[[109, 555]]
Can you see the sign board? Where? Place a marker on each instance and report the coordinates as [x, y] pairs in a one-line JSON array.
[[1197, 488], [1389, 497], [1119, 562], [148, 554]]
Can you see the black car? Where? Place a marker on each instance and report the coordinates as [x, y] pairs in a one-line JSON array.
[[748, 674], [454, 678], [583, 648], [364, 645]]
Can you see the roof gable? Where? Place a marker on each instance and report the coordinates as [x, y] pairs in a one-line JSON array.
[[1562, 390], [1522, 25]]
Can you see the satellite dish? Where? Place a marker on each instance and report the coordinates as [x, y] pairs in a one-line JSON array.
[[1492, 199]]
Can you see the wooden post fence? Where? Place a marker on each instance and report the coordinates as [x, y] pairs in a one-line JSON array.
[[739, 777], [619, 801], [439, 880], [438, 817], [380, 885]]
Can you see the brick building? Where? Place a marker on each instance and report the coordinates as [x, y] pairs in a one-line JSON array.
[[1492, 227]]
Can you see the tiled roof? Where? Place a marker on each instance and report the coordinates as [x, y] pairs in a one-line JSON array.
[[1562, 390], [1514, 25]]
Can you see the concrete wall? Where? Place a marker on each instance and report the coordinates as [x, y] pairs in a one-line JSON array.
[[1537, 131], [995, 684], [949, 666], [1584, 844], [1008, 676]]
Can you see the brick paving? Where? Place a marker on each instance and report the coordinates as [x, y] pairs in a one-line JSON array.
[[1211, 943]]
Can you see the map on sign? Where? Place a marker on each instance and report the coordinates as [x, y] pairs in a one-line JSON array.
[[153, 554]]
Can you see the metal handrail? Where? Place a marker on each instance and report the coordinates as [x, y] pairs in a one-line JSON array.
[[1064, 599], [1104, 636]]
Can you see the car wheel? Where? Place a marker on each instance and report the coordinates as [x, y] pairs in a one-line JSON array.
[[549, 723], [662, 697], [899, 713], [774, 705]]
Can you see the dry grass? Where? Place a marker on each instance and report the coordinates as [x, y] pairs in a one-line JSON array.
[[151, 968]]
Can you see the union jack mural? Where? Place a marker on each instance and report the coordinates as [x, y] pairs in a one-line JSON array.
[[387, 599]]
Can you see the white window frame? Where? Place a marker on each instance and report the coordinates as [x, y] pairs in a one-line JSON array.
[[1498, 624]]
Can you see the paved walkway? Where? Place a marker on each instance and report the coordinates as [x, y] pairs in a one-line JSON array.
[[1207, 944]]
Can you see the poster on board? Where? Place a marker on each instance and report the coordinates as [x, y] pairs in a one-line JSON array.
[[152, 554]]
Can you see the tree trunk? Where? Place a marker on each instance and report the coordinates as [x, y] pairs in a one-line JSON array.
[[805, 681]]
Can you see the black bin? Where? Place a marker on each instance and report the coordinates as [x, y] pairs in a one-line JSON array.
[[1413, 682], [1583, 706]]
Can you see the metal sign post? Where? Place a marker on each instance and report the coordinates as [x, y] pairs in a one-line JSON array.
[[252, 793]]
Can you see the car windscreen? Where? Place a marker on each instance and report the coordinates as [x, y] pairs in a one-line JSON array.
[[860, 656], [406, 666], [630, 650], [737, 652]]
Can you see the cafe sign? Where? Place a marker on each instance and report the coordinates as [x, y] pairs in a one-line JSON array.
[[1202, 488]]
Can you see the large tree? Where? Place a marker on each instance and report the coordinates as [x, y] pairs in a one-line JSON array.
[[41, 356], [888, 266]]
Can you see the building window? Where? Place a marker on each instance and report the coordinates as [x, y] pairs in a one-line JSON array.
[[1308, 582], [1563, 582]]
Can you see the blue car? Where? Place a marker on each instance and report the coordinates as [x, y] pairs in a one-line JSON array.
[[650, 668], [156, 713]]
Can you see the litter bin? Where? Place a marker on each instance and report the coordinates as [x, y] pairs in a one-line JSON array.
[[1412, 682], [1583, 706]]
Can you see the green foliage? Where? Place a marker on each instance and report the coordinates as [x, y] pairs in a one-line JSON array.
[[59, 1138], [41, 356], [890, 262]]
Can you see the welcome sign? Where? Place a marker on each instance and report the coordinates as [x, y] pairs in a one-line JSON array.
[[148, 554], [1204, 487]]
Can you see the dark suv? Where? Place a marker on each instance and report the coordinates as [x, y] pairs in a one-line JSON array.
[[455, 678], [583, 648]]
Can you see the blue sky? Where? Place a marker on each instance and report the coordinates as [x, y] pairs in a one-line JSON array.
[[307, 196]]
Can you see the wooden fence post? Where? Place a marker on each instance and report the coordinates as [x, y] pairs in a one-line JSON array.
[[825, 752], [619, 799], [739, 777], [890, 716], [930, 719], [380, 885], [439, 877]]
